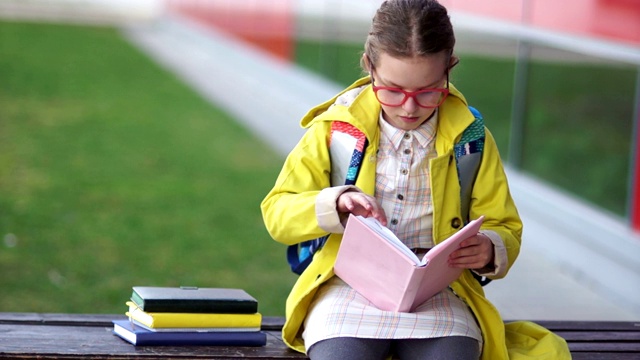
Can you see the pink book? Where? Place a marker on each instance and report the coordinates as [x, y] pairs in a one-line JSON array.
[[375, 263]]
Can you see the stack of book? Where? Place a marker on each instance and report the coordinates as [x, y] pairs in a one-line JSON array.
[[191, 316]]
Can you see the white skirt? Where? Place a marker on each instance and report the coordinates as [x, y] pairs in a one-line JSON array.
[[339, 311]]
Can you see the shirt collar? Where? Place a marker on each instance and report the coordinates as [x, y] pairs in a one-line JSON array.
[[424, 134]]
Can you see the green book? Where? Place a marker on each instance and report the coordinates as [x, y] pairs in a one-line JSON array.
[[194, 300]]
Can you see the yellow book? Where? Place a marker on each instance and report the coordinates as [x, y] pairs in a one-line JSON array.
[[192, 320]]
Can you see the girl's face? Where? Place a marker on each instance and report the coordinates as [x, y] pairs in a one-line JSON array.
[[410, 74]]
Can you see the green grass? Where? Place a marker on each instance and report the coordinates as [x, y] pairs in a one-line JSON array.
[[579, 130], [114, 174], [579, 117], [335, 60]]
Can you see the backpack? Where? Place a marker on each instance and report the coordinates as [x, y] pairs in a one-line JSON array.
[[345, 169]]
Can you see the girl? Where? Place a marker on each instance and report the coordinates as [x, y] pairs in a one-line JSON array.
[[412, 116]]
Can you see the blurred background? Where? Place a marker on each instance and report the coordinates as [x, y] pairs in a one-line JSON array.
[[137, 139]]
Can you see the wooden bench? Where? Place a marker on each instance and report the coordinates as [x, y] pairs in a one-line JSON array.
[[73, 336]]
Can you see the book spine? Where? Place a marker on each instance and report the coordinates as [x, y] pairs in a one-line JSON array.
[[205, 329], [144, 337], [411, 289], [228, 339], [194, 320], [229, 307]]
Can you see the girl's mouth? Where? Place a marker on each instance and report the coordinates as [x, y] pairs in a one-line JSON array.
[[409, 119]]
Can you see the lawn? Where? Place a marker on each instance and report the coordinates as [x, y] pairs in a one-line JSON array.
[[115, 174]]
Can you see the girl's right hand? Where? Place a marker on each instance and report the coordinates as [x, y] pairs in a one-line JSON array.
[[359, 203]]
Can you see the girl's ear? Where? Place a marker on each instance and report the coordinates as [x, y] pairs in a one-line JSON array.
[[453, 61], [364, 62]]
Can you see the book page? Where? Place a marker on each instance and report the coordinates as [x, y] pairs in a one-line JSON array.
[[388, 235]]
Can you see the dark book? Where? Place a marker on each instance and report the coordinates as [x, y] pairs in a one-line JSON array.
[[194, 300], [137, 335]]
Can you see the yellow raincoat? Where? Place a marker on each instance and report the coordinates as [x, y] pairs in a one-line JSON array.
[[290, 216]]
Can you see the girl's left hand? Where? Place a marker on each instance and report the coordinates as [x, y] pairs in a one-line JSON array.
[[475, 252]]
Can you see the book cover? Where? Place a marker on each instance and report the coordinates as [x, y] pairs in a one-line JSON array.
[[140, 336], [192, 320], [194, 300], [375, 263]]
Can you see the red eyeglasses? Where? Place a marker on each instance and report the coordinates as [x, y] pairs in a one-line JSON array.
[[425, 98]]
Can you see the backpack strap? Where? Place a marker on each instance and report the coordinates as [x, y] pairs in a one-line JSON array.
[[346, 149], [346, 142], [299, 256], [468, 153]]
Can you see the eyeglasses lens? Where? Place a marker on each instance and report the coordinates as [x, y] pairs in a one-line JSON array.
[[397, 98]]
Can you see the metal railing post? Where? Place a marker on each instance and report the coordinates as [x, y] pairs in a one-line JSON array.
[[633, 205], [519, 104]]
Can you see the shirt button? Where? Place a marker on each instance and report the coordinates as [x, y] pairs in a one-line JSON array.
[[455, 223], [394, 222], [400, 197], [407, 136], [404, 171], [407, 151]]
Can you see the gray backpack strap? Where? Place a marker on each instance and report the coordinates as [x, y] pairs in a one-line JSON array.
[[468, 153]]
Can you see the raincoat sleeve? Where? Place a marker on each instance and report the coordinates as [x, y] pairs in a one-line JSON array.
[[289, 209]]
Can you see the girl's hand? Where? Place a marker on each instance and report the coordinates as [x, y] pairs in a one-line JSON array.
[[359, 203], [475, 252]]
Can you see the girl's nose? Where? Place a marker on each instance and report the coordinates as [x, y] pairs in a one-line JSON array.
[[410, 106]]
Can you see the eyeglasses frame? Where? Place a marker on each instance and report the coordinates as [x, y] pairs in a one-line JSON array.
[[409, 94]]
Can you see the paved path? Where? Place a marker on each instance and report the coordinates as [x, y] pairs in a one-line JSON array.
[[575, 264]]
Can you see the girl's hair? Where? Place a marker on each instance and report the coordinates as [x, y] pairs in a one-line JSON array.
[[409, 28]]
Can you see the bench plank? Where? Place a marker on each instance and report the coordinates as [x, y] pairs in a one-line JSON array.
[[68, 336], [599, 339], [98, 342], [89, 336], [600, 336], [557, 325]]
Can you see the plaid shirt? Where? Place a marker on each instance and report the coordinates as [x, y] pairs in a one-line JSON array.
[[403, 189], [402, 181]]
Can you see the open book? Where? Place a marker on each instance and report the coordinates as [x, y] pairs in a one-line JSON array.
[[375, 263]]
